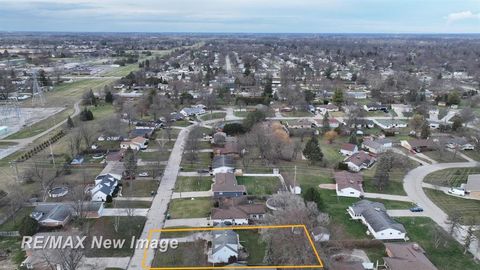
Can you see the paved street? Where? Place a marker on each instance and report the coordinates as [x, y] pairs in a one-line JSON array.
[[412, 184], [193, 194], [156, 215], [387, 197], [405, 213]]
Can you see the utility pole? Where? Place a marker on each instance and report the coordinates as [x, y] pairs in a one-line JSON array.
[[51, 154], [295, 181]]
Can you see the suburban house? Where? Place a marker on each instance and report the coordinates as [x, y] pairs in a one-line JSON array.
[[406, 256], [191, 111], [327, 108], [223, 164], [348, 184], [359, 161], [377, 146], [473, 185], [113, 168], [363, 123], [357, 94], [230, 148], [301, 123], [417, 145], [219, 138], [372, 107], [240, 214], [52, 215], [105, 186], [380, 225], [386, 124], [225, 245], [145, 132], [226, 186], [460, 143], [348, 149], [137, 143], [320, 234]]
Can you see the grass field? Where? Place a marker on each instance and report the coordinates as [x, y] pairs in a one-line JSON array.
[[189, 254], [444, 156], [468, 209], [186, 184], [446, 256], [395, 185], [251, 241], [260, 185], [128, 204], [188, 208], [475, 155], [210, 116], [451, 177], [202, 162], [139, 188]]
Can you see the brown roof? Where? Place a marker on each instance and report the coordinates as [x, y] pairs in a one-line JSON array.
[[348, 146], [229, 148], [407, 256], [226, 182], [139, 139], [416, 143], [359, 158], [240, 211], [346, 179]]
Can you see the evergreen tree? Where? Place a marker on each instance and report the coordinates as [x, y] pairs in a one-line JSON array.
[[312, 150], [353, 139], [338, 97], [325, 123], [312, 195], [108, 97], [70, 122]]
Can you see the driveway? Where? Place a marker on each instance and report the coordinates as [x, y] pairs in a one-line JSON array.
[[124, 212], [188, 222], [193, 194], [387, 197]]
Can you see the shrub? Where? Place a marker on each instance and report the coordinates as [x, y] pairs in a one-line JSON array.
[[28, 227]]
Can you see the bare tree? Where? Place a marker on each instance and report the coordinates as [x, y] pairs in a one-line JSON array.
[[87, 134], [454, 223]]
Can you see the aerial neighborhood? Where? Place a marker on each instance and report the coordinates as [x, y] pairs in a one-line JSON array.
[[336, 152]]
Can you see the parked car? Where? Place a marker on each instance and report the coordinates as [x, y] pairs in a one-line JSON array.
[[203, 171], [143, 174], [416, 209], [457, 191]]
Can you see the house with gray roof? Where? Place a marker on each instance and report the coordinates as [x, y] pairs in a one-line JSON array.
[[380, 225], [406, 256], [223, 164], [226, 185], [105, 186], [377, 146], [52, 215], [225, 245]]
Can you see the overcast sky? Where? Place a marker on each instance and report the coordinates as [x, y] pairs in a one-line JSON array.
[[287, 16]]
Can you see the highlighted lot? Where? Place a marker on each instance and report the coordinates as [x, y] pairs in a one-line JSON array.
[[192, 242]]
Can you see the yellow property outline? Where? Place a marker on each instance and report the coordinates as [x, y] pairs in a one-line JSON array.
[[150, 232]]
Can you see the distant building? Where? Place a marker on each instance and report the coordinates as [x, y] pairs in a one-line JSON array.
[[377, 146], [380, 225], [418, 145], [348, 149], [473, 185]]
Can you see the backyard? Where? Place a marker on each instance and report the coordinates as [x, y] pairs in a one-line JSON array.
[[190, 208], [260, 185]]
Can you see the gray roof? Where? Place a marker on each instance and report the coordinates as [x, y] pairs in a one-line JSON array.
[[224, 238], [223, 161], [57, 212], [376, 215], [473, 182]]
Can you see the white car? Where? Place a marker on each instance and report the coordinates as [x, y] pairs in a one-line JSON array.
[[143, 174], [457, 191]]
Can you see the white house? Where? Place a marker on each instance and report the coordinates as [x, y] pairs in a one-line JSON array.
[[348, 184], [377, 146], [223, 164], [380, 225], [359, 161], [390, 123], [348, 149], [104, 186], [137, 143], [225, 245]]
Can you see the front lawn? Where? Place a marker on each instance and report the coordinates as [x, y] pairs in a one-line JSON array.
[[475, 155], [450, 177], [128, 204], [468, 209], [190, 208], [104, 226], [154, 156], [139, 188], [190, 254], [448, 255], [395, 186], [215, 115], [187, 184], [203, 161], [444, 156], [260, 185]]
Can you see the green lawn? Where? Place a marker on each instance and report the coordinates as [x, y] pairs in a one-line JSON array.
[[260, 185], [203, 161], [451, 177], [182, 123], [297, 114], [154, 156], [186, 184], [139, 188], [473, 154], [240, 113], [12, 224], [15, 253], [190, 208], [395, 186], [448, 255], [444, 156], [189, 254], [251, 241], [331, 151], [128, 204], [128, 227], [467, 209], [215, 115]]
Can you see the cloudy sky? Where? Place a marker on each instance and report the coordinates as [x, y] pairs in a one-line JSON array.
[[292, 16]]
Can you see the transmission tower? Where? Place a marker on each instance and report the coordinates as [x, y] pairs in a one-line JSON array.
[[37, 91], [10, 110]]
